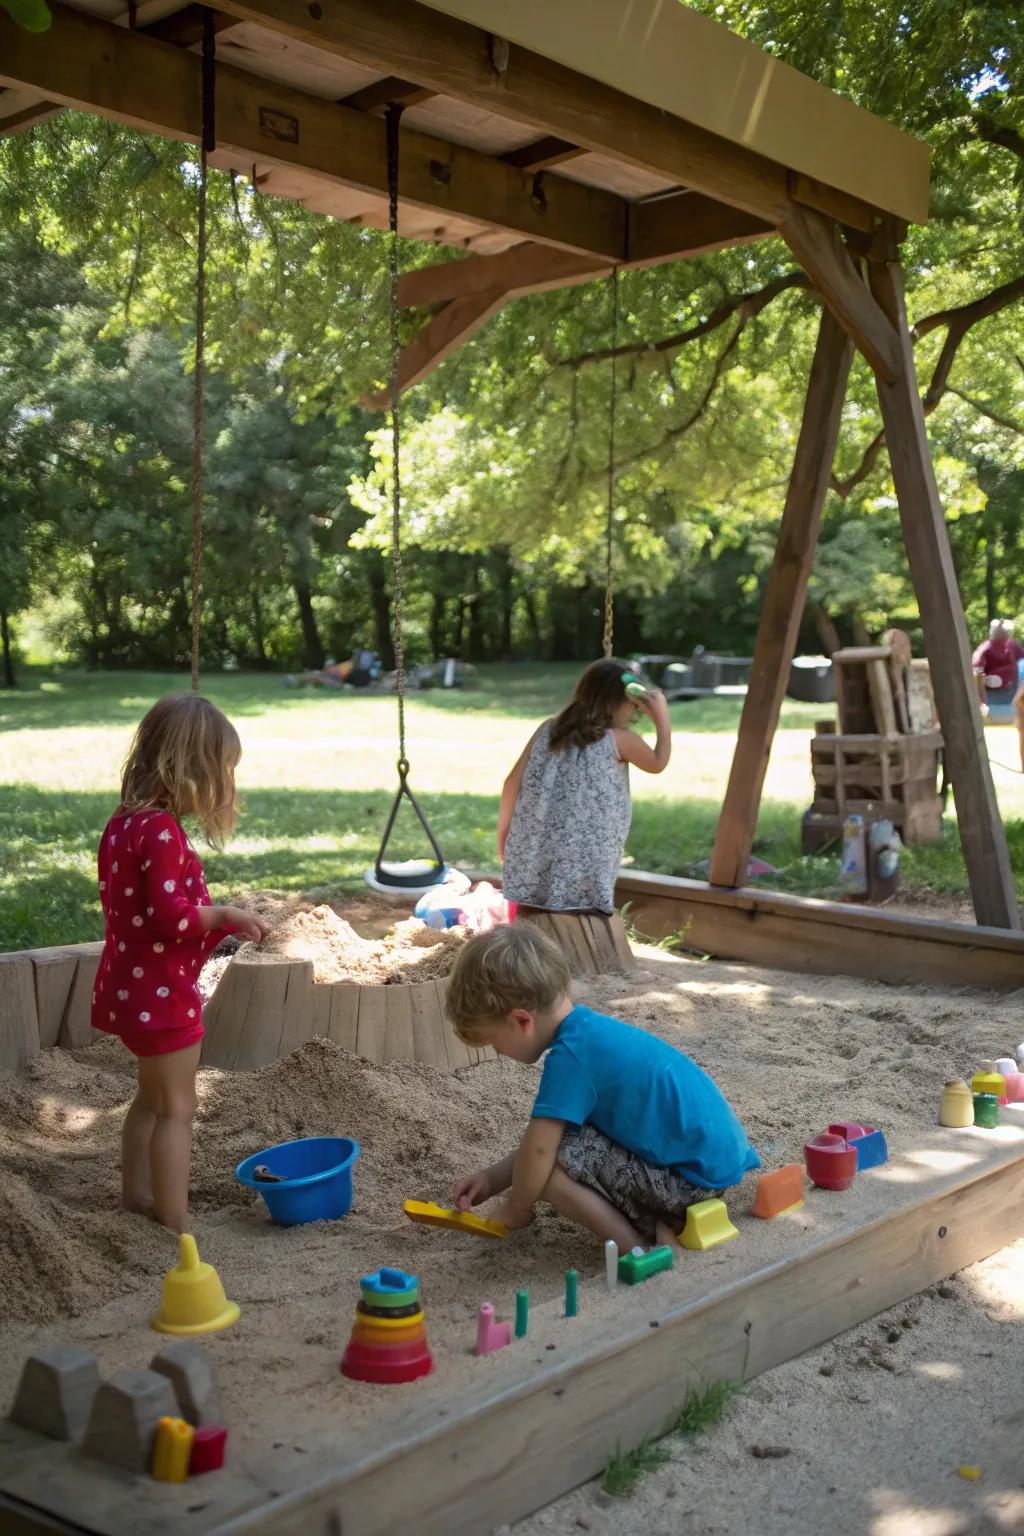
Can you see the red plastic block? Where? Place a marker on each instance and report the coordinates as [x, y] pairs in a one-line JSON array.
[[847, 1130], [780, 1191], [830, 1163], [208, 1449]]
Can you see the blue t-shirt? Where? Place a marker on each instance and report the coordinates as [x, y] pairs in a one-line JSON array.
[[645, 1095]]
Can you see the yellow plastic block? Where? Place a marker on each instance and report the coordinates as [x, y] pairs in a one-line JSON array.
[[970, 1473], [463, 1221], [172, 1450], [707, 1223], [989, 1082]]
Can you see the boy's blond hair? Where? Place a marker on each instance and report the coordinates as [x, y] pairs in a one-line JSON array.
[[182, 759], [513, 967]]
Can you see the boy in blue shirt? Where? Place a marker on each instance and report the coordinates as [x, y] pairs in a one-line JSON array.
[[626, 1131]]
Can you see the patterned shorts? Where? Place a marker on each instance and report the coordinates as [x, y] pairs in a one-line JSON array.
[[638, 1190]]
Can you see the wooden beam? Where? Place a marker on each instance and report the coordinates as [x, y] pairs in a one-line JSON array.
[[942, 617], [184, 28], [89, 64], [783, 605], [542, 154], [446, 331], [456, 59], [816, 244], [386, 93], [822, 938], [667, 230], [845, 209], [18, 122]]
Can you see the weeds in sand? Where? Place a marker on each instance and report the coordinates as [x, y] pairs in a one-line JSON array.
[[627, 1468], [704, 1406], [701, 1408], [671, 943]]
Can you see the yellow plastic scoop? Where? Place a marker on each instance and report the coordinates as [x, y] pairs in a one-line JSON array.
[[462, 1221]]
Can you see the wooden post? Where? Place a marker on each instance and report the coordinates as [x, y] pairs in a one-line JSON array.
[[942, 617], [783, 602]]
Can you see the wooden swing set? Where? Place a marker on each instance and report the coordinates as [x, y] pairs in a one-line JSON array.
[[554, 144]]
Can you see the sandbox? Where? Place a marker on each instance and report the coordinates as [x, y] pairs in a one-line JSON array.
[[312, 1452]]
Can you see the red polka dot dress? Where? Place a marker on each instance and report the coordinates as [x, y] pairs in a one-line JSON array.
[[151, 888]]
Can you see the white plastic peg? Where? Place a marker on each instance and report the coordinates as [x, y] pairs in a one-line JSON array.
[[611, 1264]]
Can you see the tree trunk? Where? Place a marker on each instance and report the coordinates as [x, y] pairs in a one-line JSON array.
[[990, 580], [258, 634], [506, 590], [827, 632], [312, 648], [476, 618], [437, 617], [10, 681], [861, 634], [529, 603], [381, 604]]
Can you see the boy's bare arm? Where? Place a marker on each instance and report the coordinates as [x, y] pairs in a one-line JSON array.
[[534, 1164]]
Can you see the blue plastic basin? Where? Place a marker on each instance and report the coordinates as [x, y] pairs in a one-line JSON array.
[[316, 1178]]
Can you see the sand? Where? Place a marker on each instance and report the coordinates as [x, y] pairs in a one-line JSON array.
[[409, 951], [791, 1052]]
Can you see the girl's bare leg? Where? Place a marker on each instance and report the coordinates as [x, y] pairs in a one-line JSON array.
[[589, 1209], [170, 1084], [136, 1134]]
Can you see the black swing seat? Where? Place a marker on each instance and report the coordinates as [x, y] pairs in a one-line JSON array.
[[406, 877]]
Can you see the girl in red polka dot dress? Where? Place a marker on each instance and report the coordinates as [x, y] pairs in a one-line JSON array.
[[160, 927]]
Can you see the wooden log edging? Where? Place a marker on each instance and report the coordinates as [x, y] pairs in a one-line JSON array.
[[592, 943], [823, 938], [46, 1000], [264, 1009]]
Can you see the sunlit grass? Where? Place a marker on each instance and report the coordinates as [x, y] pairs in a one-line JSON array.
[[318, 773]]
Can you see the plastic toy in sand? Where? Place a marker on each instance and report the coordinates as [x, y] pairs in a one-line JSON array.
[[432, 1215], [490, 1334], [986, 1111], [637, 1266], [454, 905], [707, 1225], [988, 1080], [956, 1106], [194, 1300], [388, 1344], [868, 1143], [830, 1163], [307, 1180], [779, 1192]]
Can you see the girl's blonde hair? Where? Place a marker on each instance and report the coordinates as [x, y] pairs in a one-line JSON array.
[[182, 759], [599, 693]]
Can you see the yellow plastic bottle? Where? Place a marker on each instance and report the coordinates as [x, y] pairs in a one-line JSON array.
[[956, 1107], [172, 1450]]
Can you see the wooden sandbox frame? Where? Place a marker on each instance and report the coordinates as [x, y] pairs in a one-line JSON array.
[[457, 1469]]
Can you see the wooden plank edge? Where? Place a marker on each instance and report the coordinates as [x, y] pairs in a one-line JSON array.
[[812, 909], [462, 1475]]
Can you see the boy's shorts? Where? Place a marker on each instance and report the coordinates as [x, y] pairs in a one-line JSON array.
[[642, 1193]]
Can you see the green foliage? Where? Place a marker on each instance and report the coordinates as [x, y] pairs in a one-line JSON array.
[[33, 15], [627, 1469], [704, 1407]]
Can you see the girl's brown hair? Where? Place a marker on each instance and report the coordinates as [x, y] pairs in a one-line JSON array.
[[599, 694], [182, 759]]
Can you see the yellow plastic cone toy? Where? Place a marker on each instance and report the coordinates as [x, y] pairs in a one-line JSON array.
[[194, 1300]]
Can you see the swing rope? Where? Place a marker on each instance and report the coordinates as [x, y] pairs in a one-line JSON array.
[[207, 143], [609, 592], [431, 873], [394, 118]]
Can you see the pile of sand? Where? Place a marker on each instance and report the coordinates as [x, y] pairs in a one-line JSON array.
[[410, 952]]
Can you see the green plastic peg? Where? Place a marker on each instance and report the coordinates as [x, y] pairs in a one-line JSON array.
[[571, 1307], [522, 1313]]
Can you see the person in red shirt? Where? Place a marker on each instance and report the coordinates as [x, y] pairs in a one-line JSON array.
[[995, 660], [159, 928]]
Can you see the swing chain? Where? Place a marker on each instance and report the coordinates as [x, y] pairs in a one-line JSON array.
[[207, 143], [393, 119], [609, 596]]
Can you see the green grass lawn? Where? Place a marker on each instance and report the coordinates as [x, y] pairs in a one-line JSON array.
[[318, 772]]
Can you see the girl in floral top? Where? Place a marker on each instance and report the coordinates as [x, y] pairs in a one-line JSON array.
[[159, 929]]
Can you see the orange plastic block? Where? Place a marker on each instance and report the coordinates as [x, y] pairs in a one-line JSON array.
[[779, 1192]]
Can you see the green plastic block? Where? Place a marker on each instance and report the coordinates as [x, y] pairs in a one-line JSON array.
[[634, 1267]]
